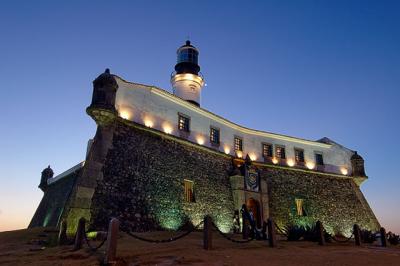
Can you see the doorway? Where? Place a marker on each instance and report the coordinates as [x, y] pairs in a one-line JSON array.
[[254, 206]]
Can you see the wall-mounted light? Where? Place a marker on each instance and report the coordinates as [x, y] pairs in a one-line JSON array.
[[200, 140], [125, 113], [310, 165], [344, 170], [148, 122], [239, 154], [227, 150], [167, 128], [290, 162], [275, 161], [252, 156]]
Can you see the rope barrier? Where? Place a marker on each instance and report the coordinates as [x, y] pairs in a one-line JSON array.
[[231, 239], [92, 247], [171, 239]]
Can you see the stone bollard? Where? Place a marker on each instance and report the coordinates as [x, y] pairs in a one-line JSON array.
[[357, 234], [207, 233], [111, 245], [62, 234], [271, 233], [80, 231], [383, 237], [320, 232]]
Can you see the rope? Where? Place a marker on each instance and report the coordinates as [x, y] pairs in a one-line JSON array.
[[231, 239], [171, 239], [342, 241], [92, 247]]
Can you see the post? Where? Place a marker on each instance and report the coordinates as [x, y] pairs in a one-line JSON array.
[[245, 227], [62, 234], [383, 237], [320, 232], [79, 234], [271, 233], [357, 234], [264, 231], [111, 245], [207, 233]]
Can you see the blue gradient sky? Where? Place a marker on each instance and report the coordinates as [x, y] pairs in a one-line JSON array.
[[303, 68]]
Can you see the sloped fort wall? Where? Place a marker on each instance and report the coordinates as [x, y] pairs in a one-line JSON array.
[[336, 201], [144, 170]]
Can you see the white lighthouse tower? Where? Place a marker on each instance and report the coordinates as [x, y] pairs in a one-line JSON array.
[[186, 80]]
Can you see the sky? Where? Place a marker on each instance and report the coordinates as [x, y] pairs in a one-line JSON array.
[[308, 69]]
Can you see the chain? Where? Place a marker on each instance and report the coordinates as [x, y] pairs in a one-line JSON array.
[[342, 241], [231, 239], [97, 247], [171, 239], [280, 230]]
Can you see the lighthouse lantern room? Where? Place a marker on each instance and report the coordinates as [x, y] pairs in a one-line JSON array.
[[187, 80]]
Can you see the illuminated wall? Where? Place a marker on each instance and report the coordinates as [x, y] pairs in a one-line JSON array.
[[54, 202], [143, 182], [159, 109], [334, 200]]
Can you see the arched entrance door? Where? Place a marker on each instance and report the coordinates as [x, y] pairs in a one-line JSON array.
[[254, 206]]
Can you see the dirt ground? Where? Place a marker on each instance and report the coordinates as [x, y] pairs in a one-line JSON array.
[[26, 247]]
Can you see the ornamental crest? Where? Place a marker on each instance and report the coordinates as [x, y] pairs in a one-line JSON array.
[[252, 179]]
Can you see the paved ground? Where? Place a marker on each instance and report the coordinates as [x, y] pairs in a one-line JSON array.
[[25, 247]]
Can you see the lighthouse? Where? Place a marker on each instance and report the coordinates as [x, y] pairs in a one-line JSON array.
[[187, 80]]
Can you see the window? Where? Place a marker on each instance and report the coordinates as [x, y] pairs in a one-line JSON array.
[[188, 55], [299, 155], [319, 159], [188, 186], [267, 150], [214, 135], [184, 123], [238, 144], [300, 207], [280, 152]]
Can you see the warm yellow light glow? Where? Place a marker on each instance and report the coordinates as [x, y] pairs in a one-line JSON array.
[[290, 162], [229, 124], [252, 156], [239, 154], [344, 170], [148, 122], [200, 140], [167, 128], [310, 165], [227, 150], [274, 160], [125, 114]]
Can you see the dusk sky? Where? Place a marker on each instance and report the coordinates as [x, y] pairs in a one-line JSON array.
[[307, 69]]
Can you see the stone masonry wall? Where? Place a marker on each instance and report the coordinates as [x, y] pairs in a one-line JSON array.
[[53, 202], [335, 201], [143, 182]]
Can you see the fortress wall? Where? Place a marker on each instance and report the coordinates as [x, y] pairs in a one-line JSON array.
[[333, 200], [143, 182], [53, 202]]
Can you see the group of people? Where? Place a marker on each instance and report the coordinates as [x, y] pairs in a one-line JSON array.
[[248, 220]]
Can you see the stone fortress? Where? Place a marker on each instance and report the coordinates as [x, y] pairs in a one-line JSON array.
[[159, 161]]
